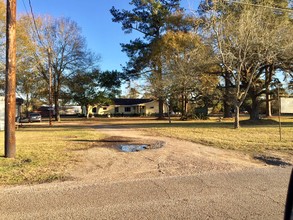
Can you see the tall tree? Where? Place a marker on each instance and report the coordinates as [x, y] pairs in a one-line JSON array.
[[93, 88], [275, 38], [151, 18], [244, 45], [68, 51], [186, 61]]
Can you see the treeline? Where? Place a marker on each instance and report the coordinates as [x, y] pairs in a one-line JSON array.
[[229, 56], [52, 55], [225, 55]]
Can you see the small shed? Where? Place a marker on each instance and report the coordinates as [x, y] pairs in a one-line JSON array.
[[19, 102]]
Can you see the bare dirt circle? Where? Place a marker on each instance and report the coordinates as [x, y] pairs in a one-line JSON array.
[[104, 161]]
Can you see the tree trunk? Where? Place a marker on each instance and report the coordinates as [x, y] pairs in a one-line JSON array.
[[160, 91], [268, 105], [57, 112], [269, 73], [183, 107], [227, 110], [186, 106], [57, 88], [87, 111], [227, 106], [161, 108], [169, 114], [27, 105], [254, 113], [237, 117]]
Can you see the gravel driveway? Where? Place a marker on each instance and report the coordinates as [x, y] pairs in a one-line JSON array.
[[105, 162]]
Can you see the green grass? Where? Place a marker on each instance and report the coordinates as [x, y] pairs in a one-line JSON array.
[[44, 153], [255, 137]]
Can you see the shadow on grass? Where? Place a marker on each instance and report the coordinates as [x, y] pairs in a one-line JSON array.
[[265, 122], [46, 128], [152, 123], [196, 124], [164, 125]]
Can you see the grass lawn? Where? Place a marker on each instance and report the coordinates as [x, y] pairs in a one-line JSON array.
[[43, 153], [257, 137], [251, 137]]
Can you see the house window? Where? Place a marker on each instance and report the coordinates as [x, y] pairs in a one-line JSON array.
[[152, 107], [116, 109], [104, 108], [94, 110], [127, 109], [142, 107]]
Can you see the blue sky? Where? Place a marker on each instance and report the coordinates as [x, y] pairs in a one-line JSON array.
[[93, 16]]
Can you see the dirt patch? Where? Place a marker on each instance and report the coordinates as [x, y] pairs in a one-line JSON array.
[[105, 162]]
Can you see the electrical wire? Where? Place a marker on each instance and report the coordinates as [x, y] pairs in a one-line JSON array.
[[35, 32], [30, 21], [35, 24]]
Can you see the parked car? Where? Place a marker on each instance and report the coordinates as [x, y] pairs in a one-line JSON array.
[[35, 117]]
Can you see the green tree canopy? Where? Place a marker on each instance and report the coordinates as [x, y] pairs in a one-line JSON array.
[[150, 18]]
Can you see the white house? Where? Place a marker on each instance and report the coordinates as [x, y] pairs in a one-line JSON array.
[[124, 107]]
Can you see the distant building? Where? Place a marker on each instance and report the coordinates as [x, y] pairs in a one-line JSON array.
[[18, 110], [287, 105], [70, 110], [129, 107], [63, 110]]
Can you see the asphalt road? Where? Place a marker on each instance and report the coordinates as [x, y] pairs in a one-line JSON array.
[[247, 194]]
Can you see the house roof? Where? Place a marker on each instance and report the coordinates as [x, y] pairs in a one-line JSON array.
[[131, 101]]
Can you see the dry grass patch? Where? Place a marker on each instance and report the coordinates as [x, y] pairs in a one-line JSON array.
[[257, 137], [44, 153]]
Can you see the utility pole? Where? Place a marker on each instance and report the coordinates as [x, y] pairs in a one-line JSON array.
[[10, 84], [279, 113]]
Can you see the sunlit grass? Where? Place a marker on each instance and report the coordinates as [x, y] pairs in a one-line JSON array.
[[261, 136], [44, 154], [252, 136]]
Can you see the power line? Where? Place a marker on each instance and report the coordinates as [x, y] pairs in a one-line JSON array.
[[28, 14], [34, 35], [35, 24]]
